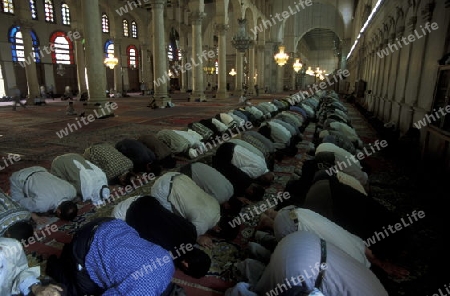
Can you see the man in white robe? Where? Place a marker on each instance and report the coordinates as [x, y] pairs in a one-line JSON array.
[[88, 179], [16, 277]]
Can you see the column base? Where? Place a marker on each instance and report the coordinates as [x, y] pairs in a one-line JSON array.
[[159, 102], [197, 95], [222, 95]]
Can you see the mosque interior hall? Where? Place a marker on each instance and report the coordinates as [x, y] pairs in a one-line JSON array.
[[224, 147]]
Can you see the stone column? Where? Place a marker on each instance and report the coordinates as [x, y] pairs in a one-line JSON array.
[[197, 56], [222, 59], [280, 79], [81, 64], [270, 66], [183, 73], [94, 60], [190, 79], [161, 77], [145, 65], [118, 69], [240, 72], [251, 69], [30, 69], [261, 65]]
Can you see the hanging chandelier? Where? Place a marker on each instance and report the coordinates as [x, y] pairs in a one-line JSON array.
[[111, 61], [232, 72], [310, 72], [241, 41], [281, 57], [297, 65]]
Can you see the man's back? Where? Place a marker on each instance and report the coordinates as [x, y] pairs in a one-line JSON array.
[[109, 159], [39, 191]]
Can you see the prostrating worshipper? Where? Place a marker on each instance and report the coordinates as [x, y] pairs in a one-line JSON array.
[[259, 141], [227, 119], [258, 114], [202, 130], [87, 178], [221, 127], [347, 131], [144, 159], [180, 195], [162, 152], [335, 199], [180, 142], [269, 157], [247, 146], [304, 260], [291, 120], [117, 167], [15, 220], [343, 161], [243, 169], [174, 233], [240, 122], [39, 191], [210, 180], [280, 136], [108, 257], [341, 142], [290, 219], [16, 277]]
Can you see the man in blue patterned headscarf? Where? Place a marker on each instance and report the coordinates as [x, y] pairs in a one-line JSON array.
[[107, 257]]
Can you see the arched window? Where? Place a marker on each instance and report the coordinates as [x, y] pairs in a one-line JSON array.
[[65, 11], [216, 65], [62, 52], [126, 31], [132, 56], [33, 9], [109, 47], [49, 11], [105, 23], [17, 47], [8, 6], [134, 31]]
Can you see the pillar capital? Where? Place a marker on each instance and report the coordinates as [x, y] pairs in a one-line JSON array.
[[222, 28], [157, 4], [412, 23], [196, 17], [427, 11]]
